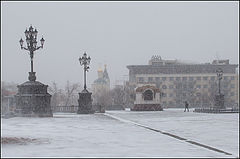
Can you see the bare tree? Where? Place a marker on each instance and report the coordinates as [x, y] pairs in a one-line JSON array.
[[7, 87], [53, 90], [117, 94], [129, 95], [8, 90], [70, 90], [102, 97], [66, 97]]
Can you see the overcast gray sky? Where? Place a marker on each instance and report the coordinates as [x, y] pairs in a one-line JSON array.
[[114, 33]]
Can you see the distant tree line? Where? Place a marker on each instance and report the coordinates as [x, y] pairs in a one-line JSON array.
[[125, 94], [68, 96], [119, 95]]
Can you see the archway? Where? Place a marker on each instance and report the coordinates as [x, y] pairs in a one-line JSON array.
[[148, 95]]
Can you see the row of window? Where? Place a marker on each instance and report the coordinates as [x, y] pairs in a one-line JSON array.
[[213, 78], [198, 94], [172, 103], [197, 86]]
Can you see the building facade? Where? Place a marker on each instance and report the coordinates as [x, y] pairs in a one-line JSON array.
[[196, 83]]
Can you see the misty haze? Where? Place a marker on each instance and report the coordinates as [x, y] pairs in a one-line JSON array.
[[120, 79]]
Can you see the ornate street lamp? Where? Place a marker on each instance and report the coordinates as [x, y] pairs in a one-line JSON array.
[[85, 61], [219, 75], [31, 39], [85, 100], [32, 98]]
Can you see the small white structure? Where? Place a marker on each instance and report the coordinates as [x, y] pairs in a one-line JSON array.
[[147, 99]]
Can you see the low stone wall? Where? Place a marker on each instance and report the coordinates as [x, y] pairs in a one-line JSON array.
[[115, 107], [98, 108], [74, 109], [67, 109], [214, 110]]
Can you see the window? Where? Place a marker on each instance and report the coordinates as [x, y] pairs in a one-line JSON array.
[[170, 94], [232, 93], [170, 86], [164, 94], [148, 95], [164, 78], [232, 77], [170, 102], [232, 86], [171, 78], [225, 78], [205, 78], [184, 86], [184, 78], [190, 78], [178, 86], [198, 86], [177, 78], [140, 79], [212, 78], [190, 86], [212, 86], [150, 79], [199, 78], [205, 86], [157, 78], [164, 86]]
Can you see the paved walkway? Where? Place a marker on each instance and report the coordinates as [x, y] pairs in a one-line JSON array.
[[170, 133]]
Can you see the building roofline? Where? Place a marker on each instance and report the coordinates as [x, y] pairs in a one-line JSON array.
[[128, 66]]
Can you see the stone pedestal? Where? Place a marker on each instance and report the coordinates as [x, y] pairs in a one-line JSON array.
[[85, 103], [219, 101], [147, 107], [32, 99]]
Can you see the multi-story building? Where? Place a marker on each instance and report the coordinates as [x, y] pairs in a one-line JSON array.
[[178, 81]]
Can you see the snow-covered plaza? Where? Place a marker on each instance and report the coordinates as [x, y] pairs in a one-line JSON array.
[[168, 133]]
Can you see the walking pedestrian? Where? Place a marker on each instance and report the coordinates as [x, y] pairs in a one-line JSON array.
[[186, 106]]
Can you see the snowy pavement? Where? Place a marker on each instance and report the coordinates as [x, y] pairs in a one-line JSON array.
[[115, 134]]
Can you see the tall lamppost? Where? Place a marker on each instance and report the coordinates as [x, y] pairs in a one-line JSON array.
[[31, 39], [219, 75], [85, 99], [219, 98], [85, 61], [32, 98]]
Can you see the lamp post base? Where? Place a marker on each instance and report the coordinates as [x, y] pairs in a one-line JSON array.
[[85, 103], [219, 101], [32, 100]]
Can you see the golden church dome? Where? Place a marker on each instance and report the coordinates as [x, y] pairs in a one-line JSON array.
[[99, 70]]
